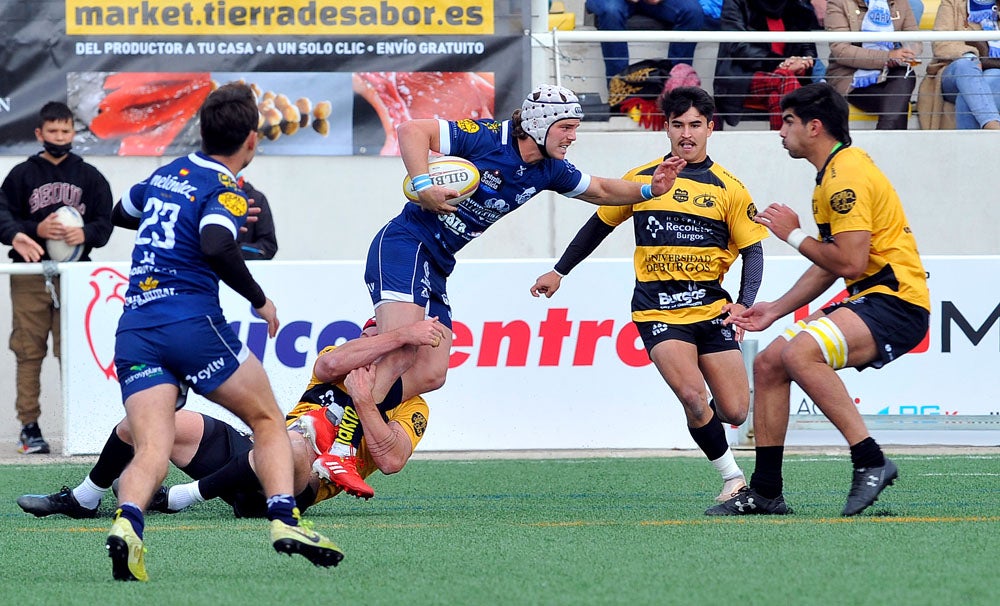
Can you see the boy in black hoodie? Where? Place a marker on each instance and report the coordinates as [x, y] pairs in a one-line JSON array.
[[29, 198]]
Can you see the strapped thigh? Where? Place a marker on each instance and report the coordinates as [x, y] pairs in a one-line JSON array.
[[831, 341]]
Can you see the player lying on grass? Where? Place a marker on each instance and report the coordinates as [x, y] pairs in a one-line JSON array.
[[220, 458]]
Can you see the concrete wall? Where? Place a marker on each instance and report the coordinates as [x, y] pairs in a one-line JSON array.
[[329, 207]]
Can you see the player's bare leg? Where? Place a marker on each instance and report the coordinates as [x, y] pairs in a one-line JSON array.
[[247, 393], [681, 367]]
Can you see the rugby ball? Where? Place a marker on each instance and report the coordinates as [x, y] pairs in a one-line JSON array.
[[58, 250], [448, 171]]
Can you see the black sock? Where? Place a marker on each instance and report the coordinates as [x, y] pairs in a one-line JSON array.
[[867, 453], [235, 476], [711, 438], [114, 458], [766, 478]]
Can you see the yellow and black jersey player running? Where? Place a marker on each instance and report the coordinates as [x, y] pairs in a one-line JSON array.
[[685, 242]]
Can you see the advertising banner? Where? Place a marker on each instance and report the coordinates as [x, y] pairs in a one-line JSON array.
[[562, 373], [333, 77]]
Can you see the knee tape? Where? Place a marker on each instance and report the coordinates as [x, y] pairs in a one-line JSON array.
[[831, 341]]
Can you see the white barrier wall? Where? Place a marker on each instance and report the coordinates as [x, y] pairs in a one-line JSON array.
[[561, 373], [328, 208]]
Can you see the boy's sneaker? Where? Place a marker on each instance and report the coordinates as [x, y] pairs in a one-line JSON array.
[[31, 440], [748, 502], [302, 539], [63, 502], [126, 552], [867, 484], [343, 472], [731, 487]]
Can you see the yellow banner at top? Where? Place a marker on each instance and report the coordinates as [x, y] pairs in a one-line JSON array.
[[278, 17]]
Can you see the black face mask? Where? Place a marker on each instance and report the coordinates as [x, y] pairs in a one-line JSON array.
[[57, 151]]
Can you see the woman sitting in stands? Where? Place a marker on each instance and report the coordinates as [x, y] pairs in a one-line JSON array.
[[964, 73], [876, 77], [754, 76]]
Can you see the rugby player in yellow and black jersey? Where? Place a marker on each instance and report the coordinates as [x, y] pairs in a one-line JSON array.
[[343, 379], [686, 240], [865, 239]]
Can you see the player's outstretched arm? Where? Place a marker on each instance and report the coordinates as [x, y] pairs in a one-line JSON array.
[[619, 192]]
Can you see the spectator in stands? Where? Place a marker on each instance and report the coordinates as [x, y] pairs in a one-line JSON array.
[[819, 7], [876, 77], [755, 75], [966, 74], [679, 15]]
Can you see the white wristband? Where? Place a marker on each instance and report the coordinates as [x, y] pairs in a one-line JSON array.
[[796, 237]]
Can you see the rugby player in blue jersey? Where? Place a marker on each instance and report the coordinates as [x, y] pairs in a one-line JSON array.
[[187, 215], [412, 256]]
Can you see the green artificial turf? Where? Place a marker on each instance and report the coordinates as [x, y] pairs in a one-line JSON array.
[[561, 531]]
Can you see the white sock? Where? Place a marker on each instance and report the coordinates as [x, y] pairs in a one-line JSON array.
[[727, 466], [340, 450], [183, 495], [89, 494]]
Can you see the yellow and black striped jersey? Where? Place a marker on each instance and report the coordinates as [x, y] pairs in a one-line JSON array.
[[411, 414], [852, 194], [685, 241]]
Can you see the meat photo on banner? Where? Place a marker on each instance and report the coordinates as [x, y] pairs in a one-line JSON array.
[[396, 97], [156, 113]]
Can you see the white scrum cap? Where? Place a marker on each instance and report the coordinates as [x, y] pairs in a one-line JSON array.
[[545, 106]]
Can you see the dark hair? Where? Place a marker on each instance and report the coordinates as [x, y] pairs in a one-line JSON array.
[[683, 98], [819, 101], [54, 111], [515, 122], [227, 117]]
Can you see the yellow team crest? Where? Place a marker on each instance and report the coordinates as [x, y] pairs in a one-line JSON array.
[[469, 126], [419, 423], [149, 283], [227, 181], [843, 201], [234, 203]]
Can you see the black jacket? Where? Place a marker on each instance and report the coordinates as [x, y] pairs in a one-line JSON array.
[[738, 61], [34, 189], [259, 241]]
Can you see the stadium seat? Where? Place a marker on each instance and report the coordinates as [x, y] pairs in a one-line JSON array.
[[559, 18], [858, 115], [930, 12]]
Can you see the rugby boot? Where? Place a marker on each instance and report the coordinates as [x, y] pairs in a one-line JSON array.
[[318, 430], [303, 540], [62, 502], [730, 488], [747, 502], [126, 551], [867, 485], [343, 472]]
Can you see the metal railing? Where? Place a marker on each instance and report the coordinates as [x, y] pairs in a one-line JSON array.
[[566, 61]]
